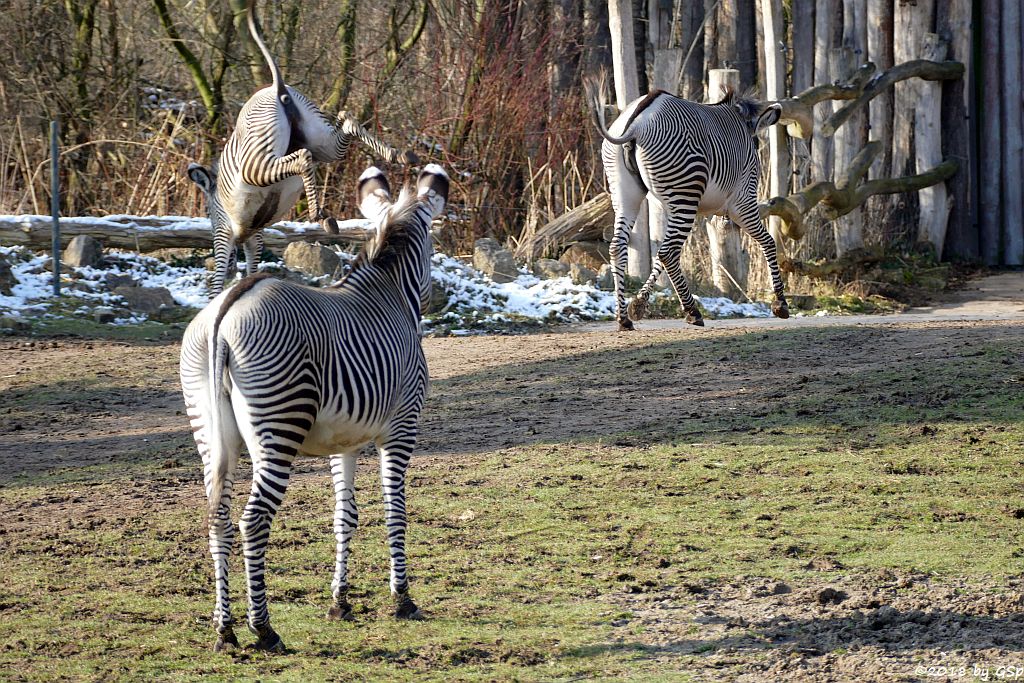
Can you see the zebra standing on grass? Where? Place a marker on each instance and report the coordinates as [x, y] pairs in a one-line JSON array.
[[692, 158], [284, 369], [270, 158]]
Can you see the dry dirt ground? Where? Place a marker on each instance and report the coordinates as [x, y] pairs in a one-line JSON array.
[[87, 421]]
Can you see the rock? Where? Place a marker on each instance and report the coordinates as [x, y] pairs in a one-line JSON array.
[[312, 259], [605, 280], [781, 589], [173, 314], [438, 298], [7, 279], [10, 324], [113, 281], [82, 250], [493, 260], [828, 596], [146, 300], [593, 255], [548, 269], [581, 275], [103, 315]]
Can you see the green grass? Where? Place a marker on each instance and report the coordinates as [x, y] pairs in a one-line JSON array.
[[517, 553]]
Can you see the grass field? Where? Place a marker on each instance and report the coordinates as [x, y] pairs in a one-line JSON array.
[[657, 506]]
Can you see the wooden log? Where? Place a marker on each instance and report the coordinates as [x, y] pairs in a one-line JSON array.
[[954, 23], [934, 207], [821, 147], [149, 233], [1013, 137], [879, 26], [803, 44], [991, 145], [849, 230], [586, 222], [910, 22], [775, 89]]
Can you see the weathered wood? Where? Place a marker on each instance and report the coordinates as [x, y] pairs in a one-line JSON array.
[[910, 22], [879, 27], [775, 89], [954, 23], [934, 211], [584, 223], [821, 147], [848, 231], [803, 44], [991, 147], [1013, 137], [149, 233], [928, 70]]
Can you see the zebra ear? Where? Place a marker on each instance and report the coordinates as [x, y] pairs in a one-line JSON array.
[[432, 185], [374, 193], [201, 176], [769, 117]]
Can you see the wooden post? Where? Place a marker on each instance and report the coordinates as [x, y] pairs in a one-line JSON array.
[[775, 89], [990, 152], [1013, 137], [879, 27], [55, 205], [931, 224], [725, 243], [627, 89], [849, 229], [910, 23], [821, 146]]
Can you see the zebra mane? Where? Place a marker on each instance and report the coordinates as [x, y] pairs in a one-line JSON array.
[[393, 233], [746, 105]]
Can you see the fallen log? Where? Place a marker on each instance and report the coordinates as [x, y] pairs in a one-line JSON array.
[[586, 222], [149, 233]]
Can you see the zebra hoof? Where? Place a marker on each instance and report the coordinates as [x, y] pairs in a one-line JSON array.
[[341, 611], [695, 319], [226, 641], [637, 309], [626, 325], [330, 225], [405, 608], [409, 158], [267, 640], [780, 309]]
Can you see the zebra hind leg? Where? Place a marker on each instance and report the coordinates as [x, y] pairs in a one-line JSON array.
[[750, 220], [680, 220], [639, 307], [394, 460], [346, 519]]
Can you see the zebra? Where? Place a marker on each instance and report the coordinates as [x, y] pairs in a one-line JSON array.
[[691, 158], [284, 369], [269, 159]]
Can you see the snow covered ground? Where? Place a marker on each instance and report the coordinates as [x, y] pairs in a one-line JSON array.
[[471, 301]]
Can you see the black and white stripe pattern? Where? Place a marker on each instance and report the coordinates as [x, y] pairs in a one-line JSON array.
[[693, 158], [269, 159], [281, 369]]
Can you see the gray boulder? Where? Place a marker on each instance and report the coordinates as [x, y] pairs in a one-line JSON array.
[[146, 300], [438, 298], [581, 275], [82, 250], [605, 280], [495, 261], [547, 269], [7, 279], [593, 255], [311, 259], [113, 281], [103, 315]]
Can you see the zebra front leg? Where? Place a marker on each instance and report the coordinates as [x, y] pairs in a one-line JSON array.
[[394, 460], [298, 163], [680, 222], [253, 251], [619, 256], [638, 306], [269, 482], [346, 519], [224, 263], [750, 220]]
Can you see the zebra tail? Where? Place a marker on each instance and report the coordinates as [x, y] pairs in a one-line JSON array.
[[220, 459], [254, 30], [595, 89]]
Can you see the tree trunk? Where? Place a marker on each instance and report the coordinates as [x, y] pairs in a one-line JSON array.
[[1013, 137], [931, 225], [775, 89], [691, 18], [955, 24], [990, 154], [803, 45], [726, 245], [879, 28], [627, 89], [849, 229], [821, 146]]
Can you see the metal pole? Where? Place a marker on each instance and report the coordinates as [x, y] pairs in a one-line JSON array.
[[55, 205]]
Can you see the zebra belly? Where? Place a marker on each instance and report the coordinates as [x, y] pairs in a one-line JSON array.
[[255, 207], [713, 201], [335, 434]]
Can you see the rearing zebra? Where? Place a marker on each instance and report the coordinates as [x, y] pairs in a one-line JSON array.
[[284, 369], [692, 158], [269, 159]]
